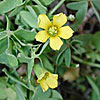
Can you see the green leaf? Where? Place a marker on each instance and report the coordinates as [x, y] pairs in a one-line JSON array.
[[82, 10], [30, 63], [30, 66], [31, 10], [46, 2], [76, 0], [3, 35], [29, 19], [50, 99], [60, 57], [43, 47], [15, 79], [96, 4], [20, 21], [40, 4], [39, 10], [94, 56], [46, 63], [3, 82], [26, 49], [15, 11], [75, 42], [2, 94], [94, 86], [96, 40], [76, 5], [19, 92], [7, 94], [94, 95], [96, 12], [68, 57], [2, 87], [3, 42], [5, 91], [61, 70], [79, 17], [23, 59], [84, 38], [25, 35], [40, 95], [56, 95], [8, 5], [39, 70], [11, 94], [18, 41], [8, 59]]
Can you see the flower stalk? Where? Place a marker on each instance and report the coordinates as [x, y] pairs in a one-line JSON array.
[[56, 7]]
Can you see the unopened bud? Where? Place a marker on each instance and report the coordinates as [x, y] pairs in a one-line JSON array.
[[71, 17]]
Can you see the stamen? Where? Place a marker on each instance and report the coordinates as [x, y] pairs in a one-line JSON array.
[[52, 31], [46, 75]]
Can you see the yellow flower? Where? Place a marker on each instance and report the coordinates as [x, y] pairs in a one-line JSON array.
[[47, 80], [53, 30]]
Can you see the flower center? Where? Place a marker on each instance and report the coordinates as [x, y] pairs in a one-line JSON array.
[[52, 31], [46, 76]]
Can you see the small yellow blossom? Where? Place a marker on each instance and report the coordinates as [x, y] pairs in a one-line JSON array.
[[48, 80], [53, 30]]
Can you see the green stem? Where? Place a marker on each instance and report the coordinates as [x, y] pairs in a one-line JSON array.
[[3, 37], [56, 7], [18, 40], [28, 91], [85, 62]]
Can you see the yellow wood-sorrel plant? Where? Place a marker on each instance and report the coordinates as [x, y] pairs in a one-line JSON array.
[[39, 45]]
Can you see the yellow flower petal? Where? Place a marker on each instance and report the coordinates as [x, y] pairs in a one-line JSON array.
[[40, 77], [59, 20], [44, 22], [55, 76], [43, 85], [55, 43], [65, 32], [42, 36], [52, 82]]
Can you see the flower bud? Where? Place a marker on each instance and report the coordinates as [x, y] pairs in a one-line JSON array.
[[71, 17]]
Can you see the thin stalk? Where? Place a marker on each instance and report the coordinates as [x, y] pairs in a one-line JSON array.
[[28, 91], [85, 62], [56, 7]]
